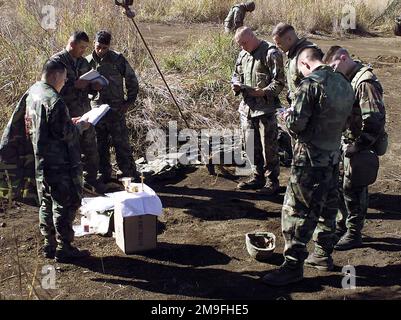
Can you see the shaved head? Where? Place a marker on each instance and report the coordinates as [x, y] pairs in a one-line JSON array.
[[243, 32], [282, 29], [340, 60], [250, 6], [308, 60], [284, 36], [334, 53], [310, 54], [246, 39]]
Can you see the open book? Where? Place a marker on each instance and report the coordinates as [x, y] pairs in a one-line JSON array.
[[96, 114], [94, 76]]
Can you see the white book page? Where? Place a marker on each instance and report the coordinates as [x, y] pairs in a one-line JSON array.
[[96, 114]]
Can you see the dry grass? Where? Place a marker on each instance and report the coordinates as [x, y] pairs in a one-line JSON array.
[[197, 75]]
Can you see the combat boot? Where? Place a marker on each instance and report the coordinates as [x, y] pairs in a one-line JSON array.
[[271, 188], [323, 263], [338, 234], [68, 253], [284, 275], [348, 241], [49, 249], [252, 184]]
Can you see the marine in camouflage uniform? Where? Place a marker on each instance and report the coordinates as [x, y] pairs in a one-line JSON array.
[[366, 132], [236, 16], [58, 170], [112, 129], [321, 106], [78, 103], [17, 162], [287, 40], [262, 69]]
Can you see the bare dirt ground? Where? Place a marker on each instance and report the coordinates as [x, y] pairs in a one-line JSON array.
[[201, 252]]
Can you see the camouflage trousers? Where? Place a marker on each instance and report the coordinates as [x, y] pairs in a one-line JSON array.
[[90, 156], [354, 202], [264, 156], [112, 130], [309, 210], [60, 199]]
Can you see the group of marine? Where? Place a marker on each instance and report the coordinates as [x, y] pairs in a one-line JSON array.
[[336, 118]]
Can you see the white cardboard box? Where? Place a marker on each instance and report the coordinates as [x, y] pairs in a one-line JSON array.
[[135, 234]]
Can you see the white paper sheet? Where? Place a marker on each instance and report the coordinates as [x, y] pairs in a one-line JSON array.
[[96, 114], [95, 76]]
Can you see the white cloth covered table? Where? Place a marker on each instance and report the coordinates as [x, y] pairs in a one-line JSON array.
[[138, 203]]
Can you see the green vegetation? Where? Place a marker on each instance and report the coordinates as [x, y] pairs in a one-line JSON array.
[[198, 73]]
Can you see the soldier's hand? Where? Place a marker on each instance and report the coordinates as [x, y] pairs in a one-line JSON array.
[[351, 150], [81, 84], [236, 87], [75, 120], [83, 124], [96, 86]]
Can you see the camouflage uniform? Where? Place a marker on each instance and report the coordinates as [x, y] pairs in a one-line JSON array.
[[78, 103], [318, 115], [262, 69], [235, 18], [366, 132], [112, 128], [294, 76], [17, 162], [58, 170]]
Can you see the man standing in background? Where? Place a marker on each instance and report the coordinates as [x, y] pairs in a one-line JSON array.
[[236, 16], [112, 129]]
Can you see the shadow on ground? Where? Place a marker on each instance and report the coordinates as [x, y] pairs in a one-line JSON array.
[[217, 204], [214, 283]]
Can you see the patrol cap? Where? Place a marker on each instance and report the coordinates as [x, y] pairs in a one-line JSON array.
[[103, 37]]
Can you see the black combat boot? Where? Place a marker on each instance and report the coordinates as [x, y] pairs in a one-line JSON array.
[[252, 184], [270, 188], [320, 262], [350, 240], [49, 249], [284, 275], [67, 253]]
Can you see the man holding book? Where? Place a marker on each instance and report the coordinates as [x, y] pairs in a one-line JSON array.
[[75, 94], [112, 128], [259, 78]]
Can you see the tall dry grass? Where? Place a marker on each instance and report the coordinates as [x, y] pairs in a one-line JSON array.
[[196, 73]]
